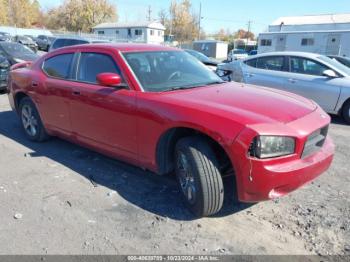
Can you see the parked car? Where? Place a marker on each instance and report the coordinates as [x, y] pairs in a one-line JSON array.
[[5, 37], [313, 76], [16, 53], [44, 42], [27, 41], [341, 59], [71, 41], [4, 69], [210, 63], [237, 54], [158, 108]]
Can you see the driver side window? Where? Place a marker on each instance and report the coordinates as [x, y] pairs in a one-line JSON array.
[[92, 64], [306, 66]]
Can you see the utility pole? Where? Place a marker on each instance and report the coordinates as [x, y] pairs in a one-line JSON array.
[[149, 13], [199, 22], [248, 32]]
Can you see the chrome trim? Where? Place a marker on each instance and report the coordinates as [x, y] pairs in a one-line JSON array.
[[132, 71]]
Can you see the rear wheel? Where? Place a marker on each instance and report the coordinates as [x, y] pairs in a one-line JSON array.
[[346, 112], [199, 177], [31, 121]]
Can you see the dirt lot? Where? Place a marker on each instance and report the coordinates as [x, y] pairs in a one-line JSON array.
[[58, 198]]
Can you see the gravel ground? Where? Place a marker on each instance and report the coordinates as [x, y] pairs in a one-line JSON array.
[[58, 198]]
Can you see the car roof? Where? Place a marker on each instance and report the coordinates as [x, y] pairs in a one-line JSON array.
[[123, 47], [288, 53]]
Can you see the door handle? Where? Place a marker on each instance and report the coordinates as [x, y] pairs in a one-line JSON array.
[[291, 80], [76, 93], [35, 84], [249, 75]]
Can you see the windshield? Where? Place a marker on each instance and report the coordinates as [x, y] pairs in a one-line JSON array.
[[169, 70], [24, 38], [199, 56], [335, 64], [15, 49]]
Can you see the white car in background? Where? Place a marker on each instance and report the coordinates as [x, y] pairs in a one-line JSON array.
[[237, 54], [313, 76]]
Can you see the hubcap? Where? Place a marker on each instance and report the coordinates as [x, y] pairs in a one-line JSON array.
[[186, 178], [29, 121]]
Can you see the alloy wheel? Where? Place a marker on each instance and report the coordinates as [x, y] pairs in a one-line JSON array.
[[29, 121], [186, 178]]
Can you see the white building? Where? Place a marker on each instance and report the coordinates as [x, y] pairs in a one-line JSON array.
[[211, 48], [324, 34], [142, 32]]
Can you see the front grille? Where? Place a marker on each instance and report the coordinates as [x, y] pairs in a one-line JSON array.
[[315, 141]]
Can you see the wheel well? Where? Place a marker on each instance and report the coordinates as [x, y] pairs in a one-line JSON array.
[[19, 96], [166, 149], [342, 107]]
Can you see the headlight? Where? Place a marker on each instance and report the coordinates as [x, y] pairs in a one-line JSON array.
[[4, 65], [272, 146]]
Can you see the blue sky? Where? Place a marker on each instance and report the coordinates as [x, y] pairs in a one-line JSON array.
[[229, 13]]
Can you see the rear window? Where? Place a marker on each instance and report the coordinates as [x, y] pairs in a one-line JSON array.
[[58, 66]]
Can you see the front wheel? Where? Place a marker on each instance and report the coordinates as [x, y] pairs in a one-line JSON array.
[[31, 121], [346, 112], [198, 174]]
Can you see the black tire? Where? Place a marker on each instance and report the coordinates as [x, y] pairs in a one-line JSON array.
[[346, 112], [204, 191], [40, 134]]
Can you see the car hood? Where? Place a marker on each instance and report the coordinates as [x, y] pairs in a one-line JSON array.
[[246, 104]]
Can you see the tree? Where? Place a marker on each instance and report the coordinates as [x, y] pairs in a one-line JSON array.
[[81, 15], [20, 13], [4, 12], [180, 21], [242, 34]]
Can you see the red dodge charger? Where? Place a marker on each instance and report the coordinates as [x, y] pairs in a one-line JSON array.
[[160, 109]]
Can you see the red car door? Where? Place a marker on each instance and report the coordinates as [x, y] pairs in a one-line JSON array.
[[56, 92], [103, 117]]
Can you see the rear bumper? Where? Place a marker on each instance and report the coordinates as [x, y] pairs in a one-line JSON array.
[[277, 180]]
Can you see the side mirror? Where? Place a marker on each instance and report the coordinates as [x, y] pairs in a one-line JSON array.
[[330, 73], [109, 79]]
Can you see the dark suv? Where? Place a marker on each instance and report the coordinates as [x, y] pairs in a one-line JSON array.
[[70, 41]]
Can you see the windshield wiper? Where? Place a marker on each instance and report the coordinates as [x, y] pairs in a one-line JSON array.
[[216, 83], [181, 88], [195, 86]]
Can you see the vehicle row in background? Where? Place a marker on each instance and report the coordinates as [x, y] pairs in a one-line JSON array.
[[64, 41], [44, 42], [26, 41], [12, 53], [314, 76], [4, 69]]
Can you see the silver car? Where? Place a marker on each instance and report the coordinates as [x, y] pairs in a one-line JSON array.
[[314, 76]]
